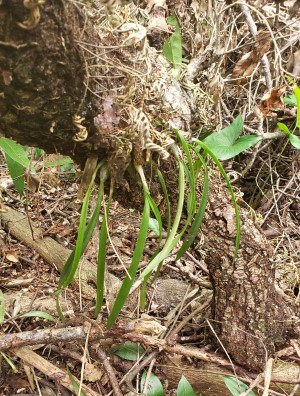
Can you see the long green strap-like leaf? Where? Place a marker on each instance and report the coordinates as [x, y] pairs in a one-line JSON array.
[[297, 95], [235, 205], [167, 200], [136, 258], [101, 262], [172, 238], [193, 232], [157, 215], [189, 170], [83, 238]]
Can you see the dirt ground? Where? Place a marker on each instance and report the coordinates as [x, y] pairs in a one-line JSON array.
[[28, 281]]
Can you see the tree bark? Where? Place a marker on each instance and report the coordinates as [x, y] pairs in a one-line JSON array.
[[47, 100]]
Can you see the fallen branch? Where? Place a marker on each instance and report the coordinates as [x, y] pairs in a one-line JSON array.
[[61, 376]]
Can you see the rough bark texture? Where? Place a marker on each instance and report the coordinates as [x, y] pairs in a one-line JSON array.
[[249, 316], [42, 87], [43, 77]]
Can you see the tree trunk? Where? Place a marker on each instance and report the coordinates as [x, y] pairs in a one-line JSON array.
[[49, 99]]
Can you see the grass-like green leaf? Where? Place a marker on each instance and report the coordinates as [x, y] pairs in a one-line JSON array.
[[129, 351], [75, 385], [155, 387], [101, 262], [167, 200], [136, 258], [2, 307], [16, 171], [189, 171], [184, 388], [172, 237], [59, 162], [172, 49], [227, 144], [236, 387], [83, 238], [38, 314], [9, 362], [193, 232], [158, 219], [235, 205], [15, 151], [297, 95]]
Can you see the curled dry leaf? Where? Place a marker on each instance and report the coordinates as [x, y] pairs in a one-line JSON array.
[[246, 65], [92, 373], [216, 86], [272, 102], [12, 257]]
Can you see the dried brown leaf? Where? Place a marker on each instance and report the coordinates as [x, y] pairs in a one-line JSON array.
[[247, 64], [272, 101]]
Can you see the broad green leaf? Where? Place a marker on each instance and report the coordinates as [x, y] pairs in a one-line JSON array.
[[155, 387], [226, 143], [16, 171], [129, 351], [229, 134], [236, 387], [224, 150], [75, 385], [290, 100], [172, 49], [295, 141], [38, 314], [153, 225], [184, 388], [297, 95], [2, 306], [15, 151], [283, 128]]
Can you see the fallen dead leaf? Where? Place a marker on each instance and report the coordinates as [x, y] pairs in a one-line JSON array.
[[272, 102], [92, 373], [12, 257]]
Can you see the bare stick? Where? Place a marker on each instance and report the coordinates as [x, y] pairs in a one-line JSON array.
[[110, 372], [51, 371]]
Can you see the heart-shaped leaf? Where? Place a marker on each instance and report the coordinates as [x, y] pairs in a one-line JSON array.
[[226, 143]]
